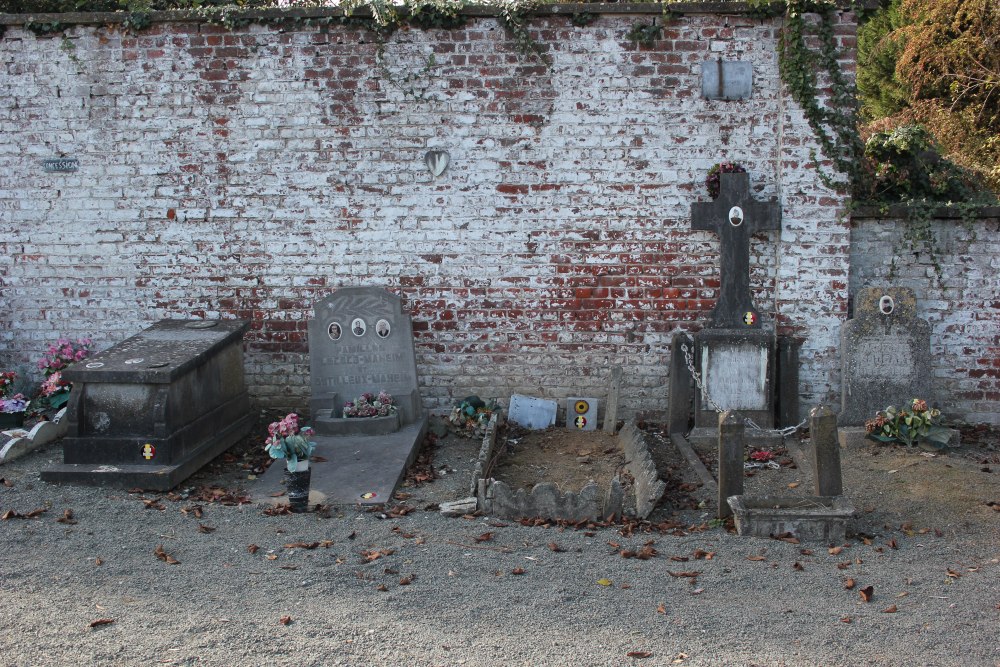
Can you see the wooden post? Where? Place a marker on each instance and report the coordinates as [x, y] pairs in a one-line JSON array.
[[730, 460], [614, 389], [826, 452]]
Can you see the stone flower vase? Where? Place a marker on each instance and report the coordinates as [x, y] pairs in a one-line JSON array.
[[297, 486]]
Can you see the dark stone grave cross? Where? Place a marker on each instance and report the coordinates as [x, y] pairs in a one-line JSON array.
[[735, 216]]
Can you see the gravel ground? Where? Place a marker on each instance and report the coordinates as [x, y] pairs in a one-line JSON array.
[[419, 589]]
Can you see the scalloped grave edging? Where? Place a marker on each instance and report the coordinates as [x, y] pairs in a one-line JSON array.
[[17, 442], [636, 495]]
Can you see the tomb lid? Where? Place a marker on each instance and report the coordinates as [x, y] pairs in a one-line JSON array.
[[159, 354]]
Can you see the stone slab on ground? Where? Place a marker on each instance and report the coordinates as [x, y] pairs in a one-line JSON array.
[[358, 470], [709, 437]]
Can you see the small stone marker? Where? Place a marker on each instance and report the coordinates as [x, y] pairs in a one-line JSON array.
[[361, 341], [885, 354], [614, 393], [730, 460], [726, 80], [581, 413], [532, 413], [826, 452], [154, 408], [735, 216]]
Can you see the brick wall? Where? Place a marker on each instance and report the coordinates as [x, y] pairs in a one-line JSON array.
[[247, 173], [962, 302]]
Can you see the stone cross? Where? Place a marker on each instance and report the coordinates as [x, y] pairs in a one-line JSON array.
[[735, 216]]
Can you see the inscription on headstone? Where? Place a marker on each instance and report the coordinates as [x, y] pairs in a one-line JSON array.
[[361, 341], [885, 353]]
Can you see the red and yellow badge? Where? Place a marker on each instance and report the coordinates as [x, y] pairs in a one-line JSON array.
[[749, 318], [148, 451]]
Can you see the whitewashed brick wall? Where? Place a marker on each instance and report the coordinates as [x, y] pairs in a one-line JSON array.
[[247, 173]]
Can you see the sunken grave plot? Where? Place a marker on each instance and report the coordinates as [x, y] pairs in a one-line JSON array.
[[565, 474]]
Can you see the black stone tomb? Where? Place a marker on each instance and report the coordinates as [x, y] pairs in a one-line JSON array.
[[153, 409]]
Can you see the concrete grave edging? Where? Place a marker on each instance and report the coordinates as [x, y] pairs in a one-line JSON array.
[[19, 442]]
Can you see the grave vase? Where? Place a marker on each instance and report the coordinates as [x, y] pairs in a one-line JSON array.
[[297, 486], [11, 419]]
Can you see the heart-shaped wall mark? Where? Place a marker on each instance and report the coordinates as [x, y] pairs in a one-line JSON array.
[[437, 161]]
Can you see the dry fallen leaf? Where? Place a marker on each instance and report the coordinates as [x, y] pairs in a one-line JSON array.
[[681, 657], [891, 609], [374, 555], [849, 584], [952, 574], [485, 537], [603, 582], [892, 544], [661, 608], [757, 558], [639, 654], [797, 566], [202, 528], [285, 620], [253, 548], [101, 621], [833, 551], [691, 574], [67, 517], [164, 556], [382, 588], [302, 545], [517, 570], [98, 561], [406, 581], [845, 619], [866, 593], [271, 556], [555, 547], [794, 485]]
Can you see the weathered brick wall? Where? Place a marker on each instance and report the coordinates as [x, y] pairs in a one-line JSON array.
[[247, 173], [961, 302]]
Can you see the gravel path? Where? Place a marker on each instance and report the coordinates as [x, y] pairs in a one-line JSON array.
[[420, 590]]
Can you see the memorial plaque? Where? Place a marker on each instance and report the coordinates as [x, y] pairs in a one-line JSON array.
[[736, 368], [885, 354], [151, 410], [726, 80], [361, 341]]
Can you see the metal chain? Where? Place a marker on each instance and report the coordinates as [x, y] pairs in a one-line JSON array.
[[689, 360]]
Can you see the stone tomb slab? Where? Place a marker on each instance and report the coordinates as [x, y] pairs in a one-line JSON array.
[[357, 470], [885, 354], [153, 409]]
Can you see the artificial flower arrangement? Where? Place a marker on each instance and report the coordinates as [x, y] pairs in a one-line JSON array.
[[55, 390], [370, 405], [286, 440], [10, 403], [714, 182], [918, 423]]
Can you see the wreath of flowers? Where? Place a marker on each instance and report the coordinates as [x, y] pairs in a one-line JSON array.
[[714, 182], [370, 405]]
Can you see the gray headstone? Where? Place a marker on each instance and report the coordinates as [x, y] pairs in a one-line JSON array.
[[531, 412], [885, 353], [735, 216], [361, 341], [736, 368]]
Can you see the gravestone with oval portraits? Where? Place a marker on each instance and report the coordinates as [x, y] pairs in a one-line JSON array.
[[360, 341], [885, 353]]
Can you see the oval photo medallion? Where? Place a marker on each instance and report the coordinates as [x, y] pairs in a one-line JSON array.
[[334, 331], [736, 216], [382, 329], [358, 327]]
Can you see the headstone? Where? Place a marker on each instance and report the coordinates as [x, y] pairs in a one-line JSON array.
[[885, 354], [735, 216], [360, 341], [150, 411], [734, 355]]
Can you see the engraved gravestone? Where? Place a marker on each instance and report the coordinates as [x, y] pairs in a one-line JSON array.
[[151, 410], [885, 353], [734, 356], [360, 340]]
